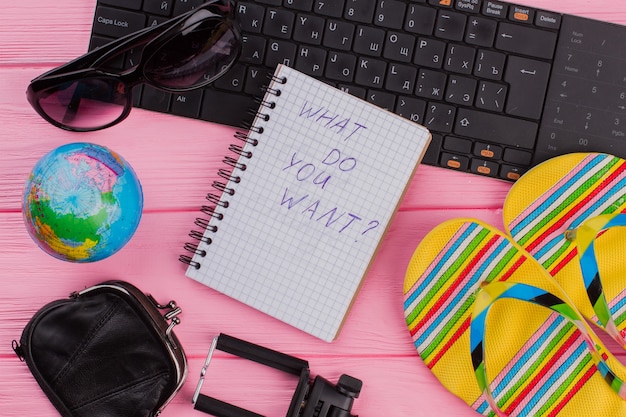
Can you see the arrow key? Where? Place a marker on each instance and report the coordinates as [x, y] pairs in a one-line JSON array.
[[460, 163], [487, 151], [487, 168]]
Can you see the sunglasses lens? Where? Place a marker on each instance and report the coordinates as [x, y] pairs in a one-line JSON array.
[[195, 56], [89, 103]]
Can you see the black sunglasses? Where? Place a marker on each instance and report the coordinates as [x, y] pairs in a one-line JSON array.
[[181, 54]]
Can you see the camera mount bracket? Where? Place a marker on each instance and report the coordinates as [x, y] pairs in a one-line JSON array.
[[318, 398]]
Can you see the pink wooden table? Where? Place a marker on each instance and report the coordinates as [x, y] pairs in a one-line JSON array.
[[177, 160]]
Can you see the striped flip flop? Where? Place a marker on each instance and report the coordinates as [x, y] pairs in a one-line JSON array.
[[500, 333], [565, 212]]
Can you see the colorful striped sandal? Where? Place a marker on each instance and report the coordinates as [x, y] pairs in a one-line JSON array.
[[564, 212], [500, 333]]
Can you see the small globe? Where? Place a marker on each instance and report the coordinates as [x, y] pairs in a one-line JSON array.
[[82, 202]]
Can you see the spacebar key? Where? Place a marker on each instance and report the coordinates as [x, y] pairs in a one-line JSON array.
[[496, 128]]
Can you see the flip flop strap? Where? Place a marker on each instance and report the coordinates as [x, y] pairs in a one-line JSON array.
[[584, 236], [490, 293]]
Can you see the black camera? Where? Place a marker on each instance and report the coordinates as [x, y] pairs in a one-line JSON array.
[[317, 398]]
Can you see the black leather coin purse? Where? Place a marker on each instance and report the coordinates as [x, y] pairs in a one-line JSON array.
[[106, 351]]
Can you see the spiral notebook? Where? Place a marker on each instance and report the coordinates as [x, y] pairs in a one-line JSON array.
[[307, 195]]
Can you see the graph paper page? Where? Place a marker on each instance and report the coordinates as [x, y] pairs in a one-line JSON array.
[[312, 205]]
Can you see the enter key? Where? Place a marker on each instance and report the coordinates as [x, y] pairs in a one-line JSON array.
[[528, 82]]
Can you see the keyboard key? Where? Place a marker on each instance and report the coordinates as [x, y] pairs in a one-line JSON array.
[[390, 14], [528, 81], [233, 79], [187, 104], [442, 3], [183, 6], [496, 128], [303, 5], [420, 19], [333, 8], [516, 156], [340, 67], [370, 73], [489, 65], [253, 49], [487, 151], [481, 31], [439, 117], [460, 90], [352, 90], [431, 156], [280, 52], [257, 80], [411, 108], [457, 145], [158, 7], [361, 11], [429, 53], [450, 25], [309, 29], [382, 99], [128, 4], [511, 173], [521, 14], [482, 167], [227, 108], [311, 61], [526, 40], [278, 23], [452, 161], [495, 9], [250, 17], [459, 58], [548, 20], [491, 96], [399, 47], [155, 99], [471, 6], [431, 84], [339, 35], [401, 78], [369, 41], [116, 22]]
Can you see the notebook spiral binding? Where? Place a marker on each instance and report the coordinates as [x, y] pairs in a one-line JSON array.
[[230, 174]]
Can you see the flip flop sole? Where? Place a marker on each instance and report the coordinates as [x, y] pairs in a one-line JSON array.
[[538, 362], [558, 195]]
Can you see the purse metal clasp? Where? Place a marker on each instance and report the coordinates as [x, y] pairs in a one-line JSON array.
[[171, 315]]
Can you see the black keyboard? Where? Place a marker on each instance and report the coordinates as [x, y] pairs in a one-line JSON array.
[[501, 86]]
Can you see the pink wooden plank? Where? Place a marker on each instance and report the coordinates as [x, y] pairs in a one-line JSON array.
[[177, 160], [150, 261]]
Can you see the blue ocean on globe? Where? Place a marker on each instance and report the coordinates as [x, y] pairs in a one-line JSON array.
[[82, 202]]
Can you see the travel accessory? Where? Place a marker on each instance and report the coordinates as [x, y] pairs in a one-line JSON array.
[[181, 54], [500, 333], [317, 398], [106, 351], [304, 200], [566, 212]]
